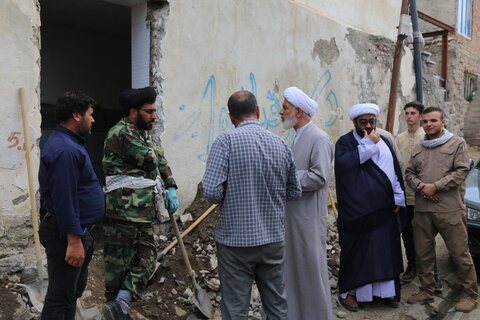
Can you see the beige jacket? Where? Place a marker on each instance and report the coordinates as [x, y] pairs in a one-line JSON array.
[[447, 167], [407, 144]]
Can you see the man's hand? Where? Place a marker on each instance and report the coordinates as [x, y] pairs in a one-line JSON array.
[[435, 198], [75, 251], [374, 136], [397, 209], [429, 191]]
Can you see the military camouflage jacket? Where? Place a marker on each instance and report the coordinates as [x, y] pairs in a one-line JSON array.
[[129, 151]]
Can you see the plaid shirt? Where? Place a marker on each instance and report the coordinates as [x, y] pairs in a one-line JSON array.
[[250, 172]]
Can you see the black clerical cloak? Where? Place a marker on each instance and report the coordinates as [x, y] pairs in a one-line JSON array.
[[369, 230]]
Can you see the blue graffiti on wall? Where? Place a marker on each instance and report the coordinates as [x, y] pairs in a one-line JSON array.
[[269, 115], [330, 98]]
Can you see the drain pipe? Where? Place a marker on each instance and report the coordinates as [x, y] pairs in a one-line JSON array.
[[417, 58]]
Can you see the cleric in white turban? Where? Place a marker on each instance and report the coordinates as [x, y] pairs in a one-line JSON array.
[[371, 198], [300, 100], [308, 291], [363, 108]]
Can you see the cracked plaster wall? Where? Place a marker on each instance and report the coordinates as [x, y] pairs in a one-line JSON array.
[[202, 51], [20, 65]]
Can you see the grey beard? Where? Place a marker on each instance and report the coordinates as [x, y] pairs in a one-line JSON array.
[[289, 123]]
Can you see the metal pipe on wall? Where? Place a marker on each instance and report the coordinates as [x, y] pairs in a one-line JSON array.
[[417, 58]]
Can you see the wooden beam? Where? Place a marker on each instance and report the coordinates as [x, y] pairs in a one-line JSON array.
[[435, 22]]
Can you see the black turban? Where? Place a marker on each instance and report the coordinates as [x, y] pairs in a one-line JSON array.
[[136, 98]]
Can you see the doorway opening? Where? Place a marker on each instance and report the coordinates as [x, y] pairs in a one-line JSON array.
[[85, 46]]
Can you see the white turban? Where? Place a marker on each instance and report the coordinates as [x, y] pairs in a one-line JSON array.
[[363, 108], [299, 99]]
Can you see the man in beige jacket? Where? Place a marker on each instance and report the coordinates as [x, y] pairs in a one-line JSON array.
[[407, 141], [437, 171]]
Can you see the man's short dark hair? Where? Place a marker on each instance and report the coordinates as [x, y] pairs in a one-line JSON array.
[[416, 105], [242, 104], [72, 102], [136, 98], [433, 109]]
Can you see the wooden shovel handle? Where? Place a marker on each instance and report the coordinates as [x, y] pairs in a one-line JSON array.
[[182, 249], [189, 229], [31, 188]]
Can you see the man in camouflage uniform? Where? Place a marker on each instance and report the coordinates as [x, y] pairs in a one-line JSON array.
[[131, 164]]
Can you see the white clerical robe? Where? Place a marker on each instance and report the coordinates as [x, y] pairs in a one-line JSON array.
[[306, 271]]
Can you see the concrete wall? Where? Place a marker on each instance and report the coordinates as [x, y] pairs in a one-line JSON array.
[[19, 67], [445, 11], [205, 50]]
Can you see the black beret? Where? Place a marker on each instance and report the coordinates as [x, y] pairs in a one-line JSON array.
[[136, 98]]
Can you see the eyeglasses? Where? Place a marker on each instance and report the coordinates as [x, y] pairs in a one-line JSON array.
[[364, 122], [149, 111]]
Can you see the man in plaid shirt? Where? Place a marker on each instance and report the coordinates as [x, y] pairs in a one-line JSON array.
[[251, 174]]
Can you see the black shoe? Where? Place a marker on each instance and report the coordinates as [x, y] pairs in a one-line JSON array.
[[392, 303], [113, 311], [438, 283], [409, 274]]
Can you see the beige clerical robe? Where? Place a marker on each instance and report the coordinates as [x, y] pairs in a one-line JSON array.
[[306, 272]]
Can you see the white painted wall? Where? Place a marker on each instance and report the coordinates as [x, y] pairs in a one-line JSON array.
[[375, 17], [19, 68], [213, 48]]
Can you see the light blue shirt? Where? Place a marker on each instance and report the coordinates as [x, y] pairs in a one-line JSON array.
[[251, 174], [382, 157]]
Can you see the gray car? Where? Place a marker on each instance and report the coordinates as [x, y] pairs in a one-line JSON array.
[[472, 203]]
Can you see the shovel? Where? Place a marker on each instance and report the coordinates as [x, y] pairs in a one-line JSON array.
[[36, 287], [200, 297]]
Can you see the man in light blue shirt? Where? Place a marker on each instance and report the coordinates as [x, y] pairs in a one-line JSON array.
[[251, 174]]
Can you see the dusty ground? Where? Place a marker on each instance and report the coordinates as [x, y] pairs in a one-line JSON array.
[[165, 292], [165, 298], [441, 308]]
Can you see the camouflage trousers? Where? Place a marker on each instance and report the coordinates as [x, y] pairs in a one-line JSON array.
[[130, 256]]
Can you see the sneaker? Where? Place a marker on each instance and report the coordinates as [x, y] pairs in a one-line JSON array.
[[409, 274], [113, 311], [421, 297], [350, 303], [438, 283], [466, 304]]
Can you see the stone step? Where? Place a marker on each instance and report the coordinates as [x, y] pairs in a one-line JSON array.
[[473, 141], [472, 121], [472, 118], [471, 133]]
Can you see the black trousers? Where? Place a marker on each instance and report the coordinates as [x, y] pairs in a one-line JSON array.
[[65, 283], [407, 236]]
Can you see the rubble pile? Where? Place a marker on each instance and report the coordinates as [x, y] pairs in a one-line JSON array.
[[14, 299], [171, 290]]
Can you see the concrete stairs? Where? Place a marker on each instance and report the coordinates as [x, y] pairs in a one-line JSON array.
[[471, 129], [433, 82]]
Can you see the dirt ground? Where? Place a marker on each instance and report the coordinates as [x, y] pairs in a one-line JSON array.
[[162, 299], [165, 298], [166, 288]]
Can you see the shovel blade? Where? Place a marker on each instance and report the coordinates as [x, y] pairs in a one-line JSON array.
[[202, 302], [36, 292]]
